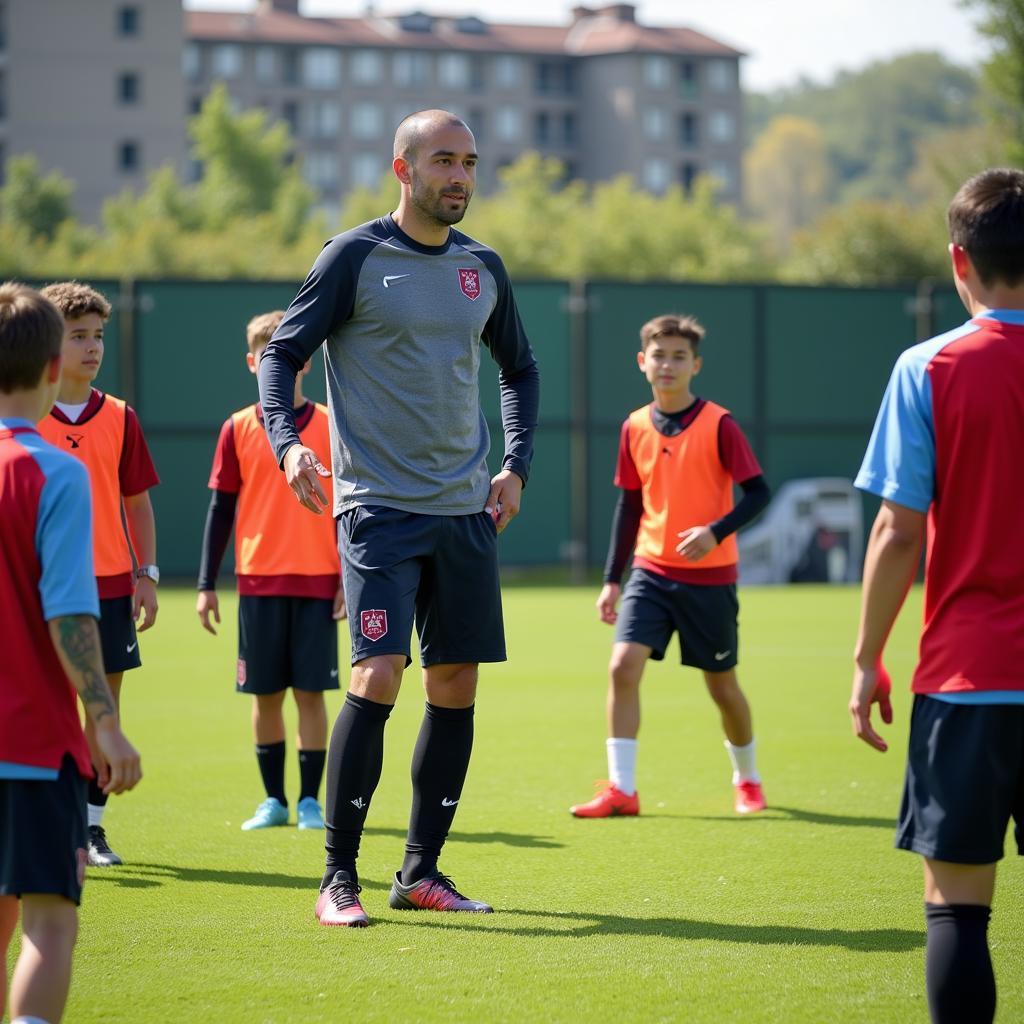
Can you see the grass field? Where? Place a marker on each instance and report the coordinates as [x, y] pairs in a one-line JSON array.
[[688, 913]]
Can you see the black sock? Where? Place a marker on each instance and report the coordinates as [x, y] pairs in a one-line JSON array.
[[958, 968], [354, 762], [311, 772], [96, 795], [270, 758], [439, 766]]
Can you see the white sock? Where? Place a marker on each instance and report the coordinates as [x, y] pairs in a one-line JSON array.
[[96, 815], [622, 764], [744, 762]]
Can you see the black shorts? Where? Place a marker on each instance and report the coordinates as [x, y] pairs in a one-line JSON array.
[[118, 641], [704, 616], [964, 781], [441, 571], [286, 641], [43, 835]]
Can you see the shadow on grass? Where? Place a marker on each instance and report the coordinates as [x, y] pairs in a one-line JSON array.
[[777, 813], [871, 940], [505, 838], [147, 876]]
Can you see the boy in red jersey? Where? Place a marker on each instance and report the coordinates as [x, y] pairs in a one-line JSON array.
[[51, 649], [290, 594], [944, 457], [678, 460], [104, 433]]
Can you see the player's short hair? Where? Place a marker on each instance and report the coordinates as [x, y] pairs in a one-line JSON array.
[[672, 325], [986, 218], [75, 299], [260, 329], [31, 333], [413, 129]]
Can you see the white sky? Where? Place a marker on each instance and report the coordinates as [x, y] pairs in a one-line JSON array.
[[785, 39]]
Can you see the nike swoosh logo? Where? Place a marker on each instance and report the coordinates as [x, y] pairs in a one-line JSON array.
[[445, 802], [722, 655], [131, 647], [388, 278]]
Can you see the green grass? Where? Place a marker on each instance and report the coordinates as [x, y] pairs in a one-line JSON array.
[[688, 913]]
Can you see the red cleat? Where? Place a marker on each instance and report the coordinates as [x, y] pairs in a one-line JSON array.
[[749, 797], [610, 802], [339, 904]]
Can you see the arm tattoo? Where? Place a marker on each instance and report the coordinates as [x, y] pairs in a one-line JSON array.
[[79, 642]]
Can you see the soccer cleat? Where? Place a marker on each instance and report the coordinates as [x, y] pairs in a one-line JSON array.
[[435, 892], [269, 814], [339, 905], [309, 813], [749, 797], [100, 853], [610, 802]]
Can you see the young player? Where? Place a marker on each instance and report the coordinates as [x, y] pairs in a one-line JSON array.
[[104, 433], [51, 649], [944, 458], [290, 594], [678, 460]]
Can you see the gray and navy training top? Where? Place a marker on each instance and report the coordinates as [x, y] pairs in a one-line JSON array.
[[402, 326]]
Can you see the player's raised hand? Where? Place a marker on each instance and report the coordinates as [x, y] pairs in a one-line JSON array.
[[696, 542], [339, 610], [606, 602], [144, 604], [302, 470], [505, 497], [207, 605], [870, 685], [120, 759]]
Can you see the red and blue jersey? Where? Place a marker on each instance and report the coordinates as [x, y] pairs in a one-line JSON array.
[[46, 572], [949, 442]]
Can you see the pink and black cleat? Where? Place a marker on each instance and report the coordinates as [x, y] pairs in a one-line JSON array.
[[435, 892], [339, 904]]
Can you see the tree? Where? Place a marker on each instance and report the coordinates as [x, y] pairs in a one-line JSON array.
[[787, 176], [32, 202]]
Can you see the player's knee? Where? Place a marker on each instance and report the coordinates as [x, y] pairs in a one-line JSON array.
[[377, 679], [51, 923]]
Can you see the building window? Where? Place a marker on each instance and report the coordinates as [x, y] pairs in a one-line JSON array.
[[128, 23], [367, 169], [324, 119], [367, 121], [128, 88], [656, 175], [722, 75], [191, 62], [195, 104], [366, 67], [321, 170], [321, 68], [569, 129], [721, 126], [508, 72], [477, 124], [541, 128], [3, 96], [290, 116], [689, 130], [725, 172], [265, 62], [411, 69], [655, 124], [508, 124], [554, 78], [657, 72], [688, 175], [226, 60], [453, 70], [128, 157], [689, 85]]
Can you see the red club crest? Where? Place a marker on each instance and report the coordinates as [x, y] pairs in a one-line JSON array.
[[373, 623], [469, 282]]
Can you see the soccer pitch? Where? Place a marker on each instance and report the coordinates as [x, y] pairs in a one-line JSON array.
[[688, 913]]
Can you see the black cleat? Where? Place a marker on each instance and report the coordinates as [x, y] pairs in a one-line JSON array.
[[100, 853]]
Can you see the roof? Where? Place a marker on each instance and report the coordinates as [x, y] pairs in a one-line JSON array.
[[589, 36]]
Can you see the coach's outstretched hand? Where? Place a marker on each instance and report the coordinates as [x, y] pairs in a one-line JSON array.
[[207, 604], [606, 602], [120, 764], [870, 686], [505, 497], [302, 470]]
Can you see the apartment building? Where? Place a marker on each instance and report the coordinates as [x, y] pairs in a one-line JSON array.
[[604, 94], [94, 89]]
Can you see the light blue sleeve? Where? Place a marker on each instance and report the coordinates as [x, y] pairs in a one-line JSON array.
[[899, 464], [67, 584]]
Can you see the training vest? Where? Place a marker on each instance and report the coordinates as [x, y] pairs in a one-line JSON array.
[[274, 534], [684, 484]]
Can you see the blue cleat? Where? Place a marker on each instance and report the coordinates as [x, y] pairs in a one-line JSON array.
[[269, 813], [309, 813]]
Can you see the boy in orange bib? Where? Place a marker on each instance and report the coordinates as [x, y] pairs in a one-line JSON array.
[[678, 460]]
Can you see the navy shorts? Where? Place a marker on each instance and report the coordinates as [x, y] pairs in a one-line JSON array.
[[118, 640], [705, 617], [964, 781], [43, 835], [439, 571], [286, 641]]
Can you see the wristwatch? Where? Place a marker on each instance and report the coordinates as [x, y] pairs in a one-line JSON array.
[[149, 571]]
